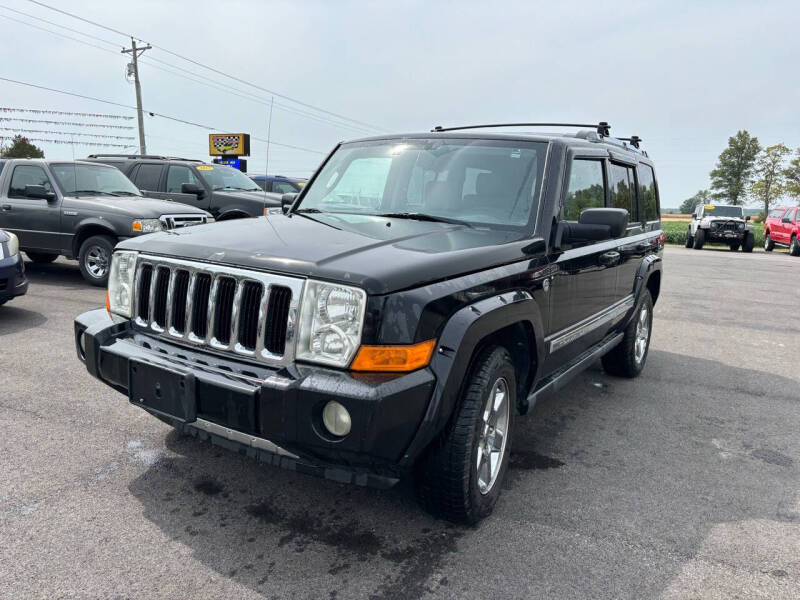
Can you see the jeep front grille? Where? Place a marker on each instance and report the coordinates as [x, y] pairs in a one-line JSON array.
[[185, 220], [223, 308]]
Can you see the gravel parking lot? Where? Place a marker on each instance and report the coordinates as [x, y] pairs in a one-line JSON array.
[[682, 483]]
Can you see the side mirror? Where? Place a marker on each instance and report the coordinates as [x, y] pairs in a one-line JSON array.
[[747, 217], [286, 202], [38, 191], [694, 216], [783, 220], [193, 188], [594, 225]]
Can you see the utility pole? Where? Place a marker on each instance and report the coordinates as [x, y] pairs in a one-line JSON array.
[[136, 53]]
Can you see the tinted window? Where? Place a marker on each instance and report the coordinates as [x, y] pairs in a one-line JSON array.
[[648, 195], [147, 177], [177, 176], [622, 185], [27, 175], [586, 188]]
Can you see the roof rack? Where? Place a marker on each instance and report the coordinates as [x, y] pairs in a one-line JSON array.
[[602, 128], [134, 156], [634, 140]]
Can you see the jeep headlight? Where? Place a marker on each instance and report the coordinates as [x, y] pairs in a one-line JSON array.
[[12, 244], [741, 226], [120, 282], [147, 225], [330, 324]]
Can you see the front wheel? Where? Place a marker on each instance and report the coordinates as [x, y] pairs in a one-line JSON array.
[[94, 258], [627, 359], [794, 246], [41, 258], [699, 239], [461, 476], [769, 245], [689, 239], [749, 242], [734, 247]]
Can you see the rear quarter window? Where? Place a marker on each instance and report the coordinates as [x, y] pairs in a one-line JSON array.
[[648, 193]]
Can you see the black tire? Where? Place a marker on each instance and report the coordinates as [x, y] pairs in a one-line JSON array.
[[749, 242], [41, 258], [94, 258], [769, 245], [794, 246], [447, 480], [699, 239], [624, 360], [734, 247], [689, 239]]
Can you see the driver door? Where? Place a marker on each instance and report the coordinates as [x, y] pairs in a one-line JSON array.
[[177, 175], [35, 221]]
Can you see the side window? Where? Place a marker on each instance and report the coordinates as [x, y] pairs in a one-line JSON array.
[[797, 217], [147, 177], [788, 213], [648, 194], [177, 176], [586, 188], [27, 175], [622, 186], [775, 213]]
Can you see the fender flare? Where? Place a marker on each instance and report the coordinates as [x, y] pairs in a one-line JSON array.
[[461, 336], [650, 264], [90, 222]]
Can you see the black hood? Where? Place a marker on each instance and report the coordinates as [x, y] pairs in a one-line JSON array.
[[377, 254]]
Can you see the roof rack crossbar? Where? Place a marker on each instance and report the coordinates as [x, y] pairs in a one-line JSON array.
[[602, 128], [634, 140], [135, 156]]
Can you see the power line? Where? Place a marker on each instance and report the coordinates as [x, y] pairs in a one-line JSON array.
[[151, 113], [203, 81], [209, 68]]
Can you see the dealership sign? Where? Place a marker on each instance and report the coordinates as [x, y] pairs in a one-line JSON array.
[[229, 144]]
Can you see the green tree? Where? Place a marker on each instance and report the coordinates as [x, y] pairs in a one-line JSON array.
[[20, 147], [730, 179], [769, 173], [688, 205], [791, 175]]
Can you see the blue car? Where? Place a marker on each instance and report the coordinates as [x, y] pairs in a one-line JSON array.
[[12, 271], [279, 184]]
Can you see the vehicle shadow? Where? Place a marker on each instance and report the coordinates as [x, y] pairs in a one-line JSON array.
[[652, 464], [14, 319], [61, 273]]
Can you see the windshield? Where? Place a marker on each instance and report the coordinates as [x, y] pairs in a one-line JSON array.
[[722, 211], [78, 178], [221, 177], [481, 182]]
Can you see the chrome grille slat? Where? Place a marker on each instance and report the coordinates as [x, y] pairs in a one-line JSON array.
[[248, 298]]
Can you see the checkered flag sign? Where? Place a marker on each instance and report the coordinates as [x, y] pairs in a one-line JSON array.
[[225, 143]]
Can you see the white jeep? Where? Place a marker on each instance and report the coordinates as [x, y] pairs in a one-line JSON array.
[[720, 224]]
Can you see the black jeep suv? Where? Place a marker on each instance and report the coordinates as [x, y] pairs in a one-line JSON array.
[[221, 190], [420, 293]]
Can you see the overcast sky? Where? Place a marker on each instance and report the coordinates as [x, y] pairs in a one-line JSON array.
[[682, 75]]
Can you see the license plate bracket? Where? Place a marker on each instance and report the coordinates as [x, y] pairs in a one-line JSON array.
[[162, 390]]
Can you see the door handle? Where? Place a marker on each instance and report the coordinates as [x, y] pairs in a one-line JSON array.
[[6, 207], [609, 259]]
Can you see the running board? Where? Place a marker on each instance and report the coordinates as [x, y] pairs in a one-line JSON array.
[[556, 381]]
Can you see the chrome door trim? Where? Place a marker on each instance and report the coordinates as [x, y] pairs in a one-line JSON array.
[[577, 330]]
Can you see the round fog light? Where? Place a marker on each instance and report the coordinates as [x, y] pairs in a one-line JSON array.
[[336, 418]]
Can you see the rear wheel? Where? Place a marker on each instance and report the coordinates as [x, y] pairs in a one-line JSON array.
[[699, 239], [769, 245], [689, 239], [41, 257], [734, 247], [461, 476], [94, 258], [627, 359], [794, 246], [749, 242]]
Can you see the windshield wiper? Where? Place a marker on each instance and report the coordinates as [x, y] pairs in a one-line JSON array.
[[95, 192], [425, 217], [124, 193], [308, 210]]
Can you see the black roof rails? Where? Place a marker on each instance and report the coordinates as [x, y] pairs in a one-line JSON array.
[[634, 140], [602, 128], [135, 156]]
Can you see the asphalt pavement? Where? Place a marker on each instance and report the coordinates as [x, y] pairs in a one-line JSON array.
[[682, 483]]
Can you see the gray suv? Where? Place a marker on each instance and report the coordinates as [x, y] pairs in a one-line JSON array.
[[221, 190]]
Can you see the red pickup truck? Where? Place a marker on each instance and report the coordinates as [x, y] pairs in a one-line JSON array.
[[782, 227]]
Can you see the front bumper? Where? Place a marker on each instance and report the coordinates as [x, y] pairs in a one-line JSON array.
[[270, 414], [12, 277], [725, 236]]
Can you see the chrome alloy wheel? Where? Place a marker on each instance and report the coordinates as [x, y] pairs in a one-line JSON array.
[[493, 435], [642, 335], [97, 260], [766, 242]]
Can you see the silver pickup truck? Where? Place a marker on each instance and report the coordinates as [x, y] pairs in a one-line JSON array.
[[80, 210]]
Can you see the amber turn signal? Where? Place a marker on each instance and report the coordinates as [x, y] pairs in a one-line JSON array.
[[393, 358], [108, 303]]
